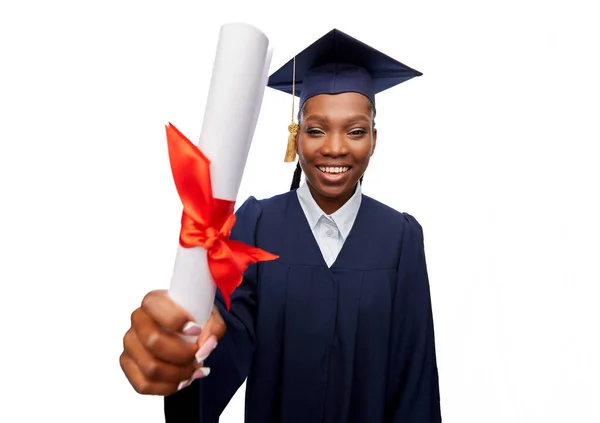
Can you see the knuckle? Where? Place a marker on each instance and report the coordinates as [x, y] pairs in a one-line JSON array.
[[174, 321], [151, 370], [142, 387], [138, 384], [147, 300], [134, 316], [153, 341], [122, 359], [126, 340]]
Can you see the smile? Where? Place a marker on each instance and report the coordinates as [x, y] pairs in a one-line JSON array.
[[329, 169]]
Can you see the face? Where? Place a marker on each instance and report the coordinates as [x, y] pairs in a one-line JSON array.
[[336, 140]]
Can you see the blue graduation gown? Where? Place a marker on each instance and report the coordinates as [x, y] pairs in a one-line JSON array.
[[353, 343]]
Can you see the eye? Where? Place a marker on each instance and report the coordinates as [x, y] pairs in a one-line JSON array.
[[358, 132], [314, 131]]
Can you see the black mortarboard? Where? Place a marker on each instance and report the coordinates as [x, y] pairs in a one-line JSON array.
[[337, 63]]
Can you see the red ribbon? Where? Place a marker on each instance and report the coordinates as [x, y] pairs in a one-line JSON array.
[[207, 221]]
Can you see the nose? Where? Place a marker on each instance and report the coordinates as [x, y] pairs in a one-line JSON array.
[[335, 145]]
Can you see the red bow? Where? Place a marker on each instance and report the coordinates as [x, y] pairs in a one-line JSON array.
[[206, 221]]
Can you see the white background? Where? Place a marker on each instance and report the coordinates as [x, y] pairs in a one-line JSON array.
[[493, 150]]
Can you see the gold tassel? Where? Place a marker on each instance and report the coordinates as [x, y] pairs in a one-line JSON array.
[[290, 153]]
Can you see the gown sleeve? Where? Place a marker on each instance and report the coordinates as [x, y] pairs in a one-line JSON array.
[[205, 399], [413, 388]]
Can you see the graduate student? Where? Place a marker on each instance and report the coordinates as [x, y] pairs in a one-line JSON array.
[[339, 328]]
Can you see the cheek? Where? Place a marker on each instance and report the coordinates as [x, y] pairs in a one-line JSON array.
[[362, 152], [307, 147]]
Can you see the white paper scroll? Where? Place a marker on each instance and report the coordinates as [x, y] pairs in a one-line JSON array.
[[238, 82]]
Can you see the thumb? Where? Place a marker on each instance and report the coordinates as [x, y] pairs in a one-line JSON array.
[[214, 327]]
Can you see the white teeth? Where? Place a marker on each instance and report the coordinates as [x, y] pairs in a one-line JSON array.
[[329, 169]]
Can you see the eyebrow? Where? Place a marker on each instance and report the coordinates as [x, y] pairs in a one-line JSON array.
[[352, 119]]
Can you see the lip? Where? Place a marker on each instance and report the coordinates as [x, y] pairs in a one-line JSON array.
[[333, 165], [330, 178]]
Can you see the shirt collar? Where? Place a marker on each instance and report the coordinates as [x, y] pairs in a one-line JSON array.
[[343, 218]]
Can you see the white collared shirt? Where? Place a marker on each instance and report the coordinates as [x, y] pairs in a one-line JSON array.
[[330, 231]]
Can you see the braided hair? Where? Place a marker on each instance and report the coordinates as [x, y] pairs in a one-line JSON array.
[[298, 170], [296, 178]]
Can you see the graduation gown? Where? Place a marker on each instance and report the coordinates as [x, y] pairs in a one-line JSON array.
[[350, 343]]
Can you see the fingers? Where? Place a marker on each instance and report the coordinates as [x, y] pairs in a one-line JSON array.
[[140, 383], [205, 349], [152, 368], [212, 332], [163, 310], [156, 359], [159, 343], [214, 327]]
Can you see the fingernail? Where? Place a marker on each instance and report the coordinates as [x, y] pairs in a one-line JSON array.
[[192, 328], [184, 384], [200, 373], [206, 349]]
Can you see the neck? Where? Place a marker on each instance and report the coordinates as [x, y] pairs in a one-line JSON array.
[[330, 205]]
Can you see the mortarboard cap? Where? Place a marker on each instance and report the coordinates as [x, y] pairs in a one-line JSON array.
[[337, 63]]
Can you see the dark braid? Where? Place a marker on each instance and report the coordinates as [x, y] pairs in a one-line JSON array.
[[298, 171], [296, 179]]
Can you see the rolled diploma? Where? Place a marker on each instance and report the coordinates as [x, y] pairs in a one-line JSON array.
[[234, 101]]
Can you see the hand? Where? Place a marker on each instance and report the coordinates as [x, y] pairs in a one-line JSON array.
[[155, 359], [207, 341]]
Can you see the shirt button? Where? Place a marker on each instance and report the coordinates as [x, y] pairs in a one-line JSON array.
[[329, 232]]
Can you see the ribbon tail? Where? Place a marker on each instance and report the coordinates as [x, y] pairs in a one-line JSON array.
[[229, 262], [226, 275], [244, 254]]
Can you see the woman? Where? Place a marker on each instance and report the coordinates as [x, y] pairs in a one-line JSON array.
[[337, 329]]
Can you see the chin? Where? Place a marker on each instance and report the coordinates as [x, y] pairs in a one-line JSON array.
[[336, 191]]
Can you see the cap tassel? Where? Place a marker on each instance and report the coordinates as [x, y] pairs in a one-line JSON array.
[[290, 154]]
